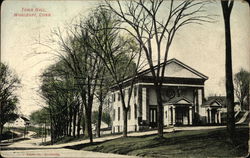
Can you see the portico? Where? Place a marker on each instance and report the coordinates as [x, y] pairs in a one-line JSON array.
[[178, 111], [213, 111]]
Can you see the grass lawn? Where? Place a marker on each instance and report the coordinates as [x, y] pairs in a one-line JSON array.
[[66, 139], [199, 143]]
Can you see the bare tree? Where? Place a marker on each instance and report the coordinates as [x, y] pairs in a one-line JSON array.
[[101, 94], [68, 47], [119, 54], [226, 9], [143, 21], [241, 87]]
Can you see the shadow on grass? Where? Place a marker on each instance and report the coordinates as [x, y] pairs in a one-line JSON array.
[[195, 143], [81, 146]]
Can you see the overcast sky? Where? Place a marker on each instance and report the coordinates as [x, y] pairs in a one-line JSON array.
[[201, 47]]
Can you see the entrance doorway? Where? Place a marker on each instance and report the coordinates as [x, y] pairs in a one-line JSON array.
[[181, 115], [153, 117], [213, 118]]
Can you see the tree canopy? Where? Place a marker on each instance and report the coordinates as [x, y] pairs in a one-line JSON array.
[[241, 87], [9, 83]]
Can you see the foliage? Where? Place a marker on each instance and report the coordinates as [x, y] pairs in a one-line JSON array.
[[61, 98], [105, 117], [9, 83], [118, 52], [40, 117], [241, 87]]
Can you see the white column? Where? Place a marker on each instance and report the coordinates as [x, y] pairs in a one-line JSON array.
[[144, 104], [199, 97], [168, 115], [190, 115], [207, 115], [173, 115], [210, 116], [219, 116]]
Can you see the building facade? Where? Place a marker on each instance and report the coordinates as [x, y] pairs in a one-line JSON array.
[[18, 123], [182, 95]]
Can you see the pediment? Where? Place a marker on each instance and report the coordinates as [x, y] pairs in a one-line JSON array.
[[182, 101], [215, 104], [177, 69]]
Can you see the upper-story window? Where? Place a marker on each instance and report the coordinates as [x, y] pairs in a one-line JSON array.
[[135, 108], [119, 96], [119, 111], [114, 97], [135, 91], [129, 113], [114, 114]]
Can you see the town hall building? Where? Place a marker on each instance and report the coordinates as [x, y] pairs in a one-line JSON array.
[[182, 94]]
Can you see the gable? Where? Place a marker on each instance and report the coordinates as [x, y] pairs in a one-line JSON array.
[[182, 101], [215, 103], [175, 68]]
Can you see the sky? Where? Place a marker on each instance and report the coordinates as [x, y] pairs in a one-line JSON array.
[[199, 46]]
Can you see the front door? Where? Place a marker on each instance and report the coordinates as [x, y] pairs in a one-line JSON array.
[[181, 115], [153, 117], [213, 113]]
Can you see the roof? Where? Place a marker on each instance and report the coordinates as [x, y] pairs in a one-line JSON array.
[[173, 60], [179, 100], [211, 101], [179, 63], [24, 118]]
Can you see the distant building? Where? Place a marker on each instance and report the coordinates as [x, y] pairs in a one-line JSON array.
[[19, 122], [212, 109], [182, 94]]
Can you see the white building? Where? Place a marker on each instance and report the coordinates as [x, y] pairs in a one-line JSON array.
[[18, 123], [182, 94]]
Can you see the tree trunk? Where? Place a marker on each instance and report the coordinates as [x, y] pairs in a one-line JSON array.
[[79, 120], [159, 111], [74, 124], [89, 126], [1, 127], [248, 102], [125, 122], [83, 125], [88, 113], [226, 8], [1, 132], [98, 127], [70, 121]]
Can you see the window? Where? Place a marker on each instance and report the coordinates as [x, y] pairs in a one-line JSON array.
[[114, 97], [119, 96], [114, 114], [119, 113], [135, 91], [124, 94], [135, 107]]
